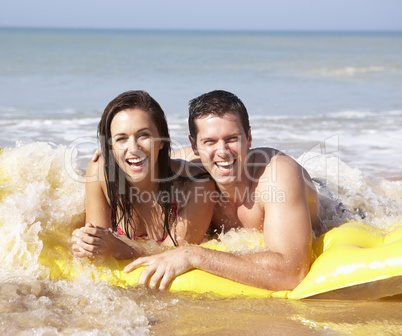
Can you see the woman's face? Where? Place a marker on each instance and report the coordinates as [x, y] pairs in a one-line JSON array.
[[136, 144]]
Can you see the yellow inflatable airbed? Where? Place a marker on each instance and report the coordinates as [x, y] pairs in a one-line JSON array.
[[352, 261]]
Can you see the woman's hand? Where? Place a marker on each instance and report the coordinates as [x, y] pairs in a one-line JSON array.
[[164, 267], [91, 240]]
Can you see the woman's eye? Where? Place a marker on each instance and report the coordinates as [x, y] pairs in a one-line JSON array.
[[143, 135], [120, 139]]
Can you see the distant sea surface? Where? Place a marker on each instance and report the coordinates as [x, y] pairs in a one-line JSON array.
[[300, 88]]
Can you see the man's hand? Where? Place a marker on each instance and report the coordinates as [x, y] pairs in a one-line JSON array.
[[164, 267], [96, 155]]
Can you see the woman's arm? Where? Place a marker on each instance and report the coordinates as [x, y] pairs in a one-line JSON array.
[[96, 237]]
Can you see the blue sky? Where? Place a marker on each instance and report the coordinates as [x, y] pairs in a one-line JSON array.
[[205, 14]]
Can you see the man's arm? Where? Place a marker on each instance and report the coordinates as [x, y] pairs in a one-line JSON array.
[[287, 221], [265, 269], [287, 236]]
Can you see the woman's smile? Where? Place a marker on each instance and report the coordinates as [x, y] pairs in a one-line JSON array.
[[137, 164]]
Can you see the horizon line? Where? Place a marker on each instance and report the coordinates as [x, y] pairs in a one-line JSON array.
[[205, 29]]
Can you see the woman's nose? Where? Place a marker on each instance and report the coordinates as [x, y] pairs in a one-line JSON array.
[[133, 145]]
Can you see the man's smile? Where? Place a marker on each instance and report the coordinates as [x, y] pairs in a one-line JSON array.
[[225, 165]]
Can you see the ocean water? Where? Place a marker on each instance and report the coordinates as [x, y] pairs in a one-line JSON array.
[[300, 88], [331, 100]]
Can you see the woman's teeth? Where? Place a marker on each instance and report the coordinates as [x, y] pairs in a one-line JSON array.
[[136, 161]]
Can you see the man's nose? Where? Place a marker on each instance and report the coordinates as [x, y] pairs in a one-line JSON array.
[[222, 148]]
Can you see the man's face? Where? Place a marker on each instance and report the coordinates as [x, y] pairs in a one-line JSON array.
[[222, 146]]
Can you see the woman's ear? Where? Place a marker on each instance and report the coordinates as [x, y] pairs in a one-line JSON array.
[[193, 145], [249, 138], [161, 145]]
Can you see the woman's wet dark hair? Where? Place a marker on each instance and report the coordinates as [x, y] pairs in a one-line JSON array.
[[118, 187]]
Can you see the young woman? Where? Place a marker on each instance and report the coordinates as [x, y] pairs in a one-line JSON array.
[[135, 190]]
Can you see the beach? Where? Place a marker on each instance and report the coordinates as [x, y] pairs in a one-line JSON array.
[[330, 100]]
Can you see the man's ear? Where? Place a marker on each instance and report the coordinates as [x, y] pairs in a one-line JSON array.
[[193, 145], [249, 138]]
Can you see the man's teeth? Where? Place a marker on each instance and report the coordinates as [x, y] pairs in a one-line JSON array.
[[225, 163]]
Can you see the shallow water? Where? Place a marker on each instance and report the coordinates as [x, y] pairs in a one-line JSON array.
[[40, 196], [42, 307], [279, 317]]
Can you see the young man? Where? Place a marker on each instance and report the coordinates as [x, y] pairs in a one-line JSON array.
[[258, 189]]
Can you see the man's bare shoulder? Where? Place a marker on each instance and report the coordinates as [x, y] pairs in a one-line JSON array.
[[286, 176], [263, 155], [266, 163]]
